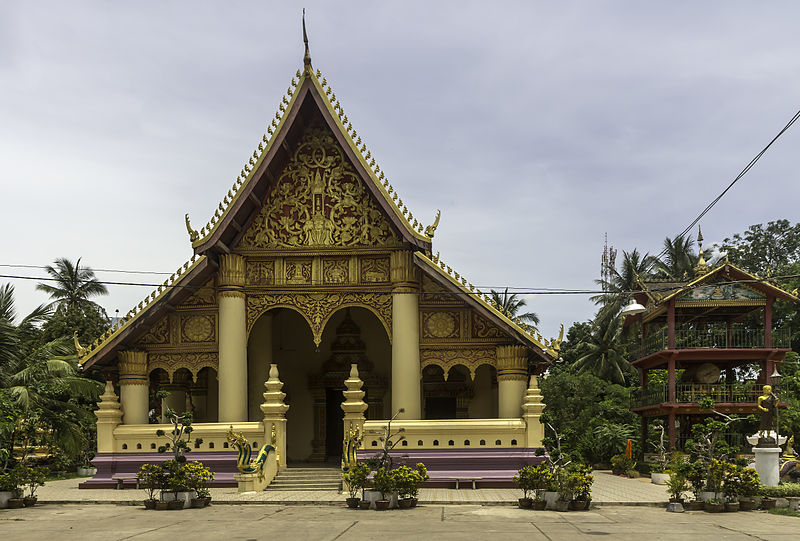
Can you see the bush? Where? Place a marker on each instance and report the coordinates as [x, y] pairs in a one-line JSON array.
[[622, 464], [151, 479], [198, 477], [750, 483], [787, 490], [356, 478], [383, 482], [677, 484]]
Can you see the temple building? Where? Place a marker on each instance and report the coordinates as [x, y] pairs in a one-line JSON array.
[[711, 336], [313, 263]]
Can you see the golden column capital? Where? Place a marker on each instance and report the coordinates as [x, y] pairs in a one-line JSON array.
[[402, 267], [512, 363], [231, 271], [132, 367]]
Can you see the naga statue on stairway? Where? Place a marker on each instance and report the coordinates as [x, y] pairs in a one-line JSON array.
[[243, 462]]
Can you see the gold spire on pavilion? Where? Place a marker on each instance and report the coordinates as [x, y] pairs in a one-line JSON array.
[[307, 55], [701, 268]]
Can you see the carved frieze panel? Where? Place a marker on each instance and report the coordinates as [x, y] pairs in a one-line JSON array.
[[158, 333], [433, 293], [448, 358], [375, 269], [202, 296], [298, 271], [317, 308], [198, 328], [192, 361], [483, 328], [260, 273], [335, 271], [441, 324], [319, 201]]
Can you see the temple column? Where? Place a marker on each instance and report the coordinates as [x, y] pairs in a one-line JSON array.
[[274, 411], [512, 375], [406, 376], [232, 340], [109, 416], [134, 388], [532, 412]]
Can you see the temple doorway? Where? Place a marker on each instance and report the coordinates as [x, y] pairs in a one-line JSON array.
[[313, 376]]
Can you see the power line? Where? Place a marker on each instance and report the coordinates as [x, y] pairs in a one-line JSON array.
[[742, 173], [95, 270]]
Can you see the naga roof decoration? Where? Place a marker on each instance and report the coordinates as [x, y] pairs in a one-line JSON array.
[[414, 230], [473, 295]]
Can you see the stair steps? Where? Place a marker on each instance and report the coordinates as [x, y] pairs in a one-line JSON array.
[[301, 478]]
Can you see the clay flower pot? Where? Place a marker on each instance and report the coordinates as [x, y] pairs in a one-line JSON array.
[[150, 504], [352, 503], [731, 507], [162, 506], [747, 504], [539, 505], [15, 503], [714, 507], [766, 503], [29, 502], [579, 505], [382, 505], [175, 504], [364, 504], [695, 505], [525, 503], [562, 506], [405, 503]]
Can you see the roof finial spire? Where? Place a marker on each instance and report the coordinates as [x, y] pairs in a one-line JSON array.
[[699, 238], [307, 56]]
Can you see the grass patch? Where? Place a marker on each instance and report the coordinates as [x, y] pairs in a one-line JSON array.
[[784, 511]]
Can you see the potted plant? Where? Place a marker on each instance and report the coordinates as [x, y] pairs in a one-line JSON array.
[[567, 482], [696, 475], [384, 483], [151, 479], [750, 484], [12, 485], [540, 479], [6, 489], [197, 479], [31, 478], [355, 480], [658, 475], [731, 487], [583, 488], [176, 489], [85, 467], [676, 486], [420, 476], [524, 480]]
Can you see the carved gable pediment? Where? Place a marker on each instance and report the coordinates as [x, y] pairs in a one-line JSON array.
[[318, 201]]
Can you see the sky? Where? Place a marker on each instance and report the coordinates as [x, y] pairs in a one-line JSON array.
[[536, 127]]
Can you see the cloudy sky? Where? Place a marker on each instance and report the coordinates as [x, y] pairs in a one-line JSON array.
[[537, 127]]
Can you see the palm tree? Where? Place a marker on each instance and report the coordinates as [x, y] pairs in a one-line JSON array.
[[605, 348], [511, 304], [679, 259], [623, 281], [73, 287], [39, 380]]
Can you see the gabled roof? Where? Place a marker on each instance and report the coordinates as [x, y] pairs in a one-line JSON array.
[[663, 291], [528, 336], [260, 173]]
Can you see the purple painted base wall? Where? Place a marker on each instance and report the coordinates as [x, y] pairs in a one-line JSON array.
[[495, 467], [222, 463]]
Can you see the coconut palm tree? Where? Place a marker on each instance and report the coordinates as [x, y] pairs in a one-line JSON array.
[[605, 354], [622, 281], [511, 304], [40, 380], [679, 259], [73, 286]]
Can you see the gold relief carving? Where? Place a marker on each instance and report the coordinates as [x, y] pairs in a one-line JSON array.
[[317, 308], [298, 271], [448, 358], [335, 271], [199, 328], [319, 200], [158, 333], [402, 268], [231, 270], [434, 293], [260, 273], [193, 362], [203, 295], [375, 269], [483, 328], [512, 363], [440, 325], [132, 363]]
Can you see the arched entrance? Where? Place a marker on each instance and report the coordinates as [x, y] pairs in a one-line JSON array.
[[314, 377]]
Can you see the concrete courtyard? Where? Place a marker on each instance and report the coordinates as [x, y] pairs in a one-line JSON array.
[[107, 522]]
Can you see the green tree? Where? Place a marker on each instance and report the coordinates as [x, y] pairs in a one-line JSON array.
[[73, 286], [634, 266], [511, 305], [765, 249], [40, 381], [679, 258], [605, 353]]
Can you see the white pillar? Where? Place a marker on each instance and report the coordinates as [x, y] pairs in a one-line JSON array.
[[768, 465], [232, 341], [512, 375], [406, 385], [134, 388]]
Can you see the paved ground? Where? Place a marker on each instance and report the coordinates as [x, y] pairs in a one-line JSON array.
[[608, 489], [88, 522]]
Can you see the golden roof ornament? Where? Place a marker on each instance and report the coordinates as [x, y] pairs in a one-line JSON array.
[[307, 55], [431, 229], [193, 235], [79, 349]]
